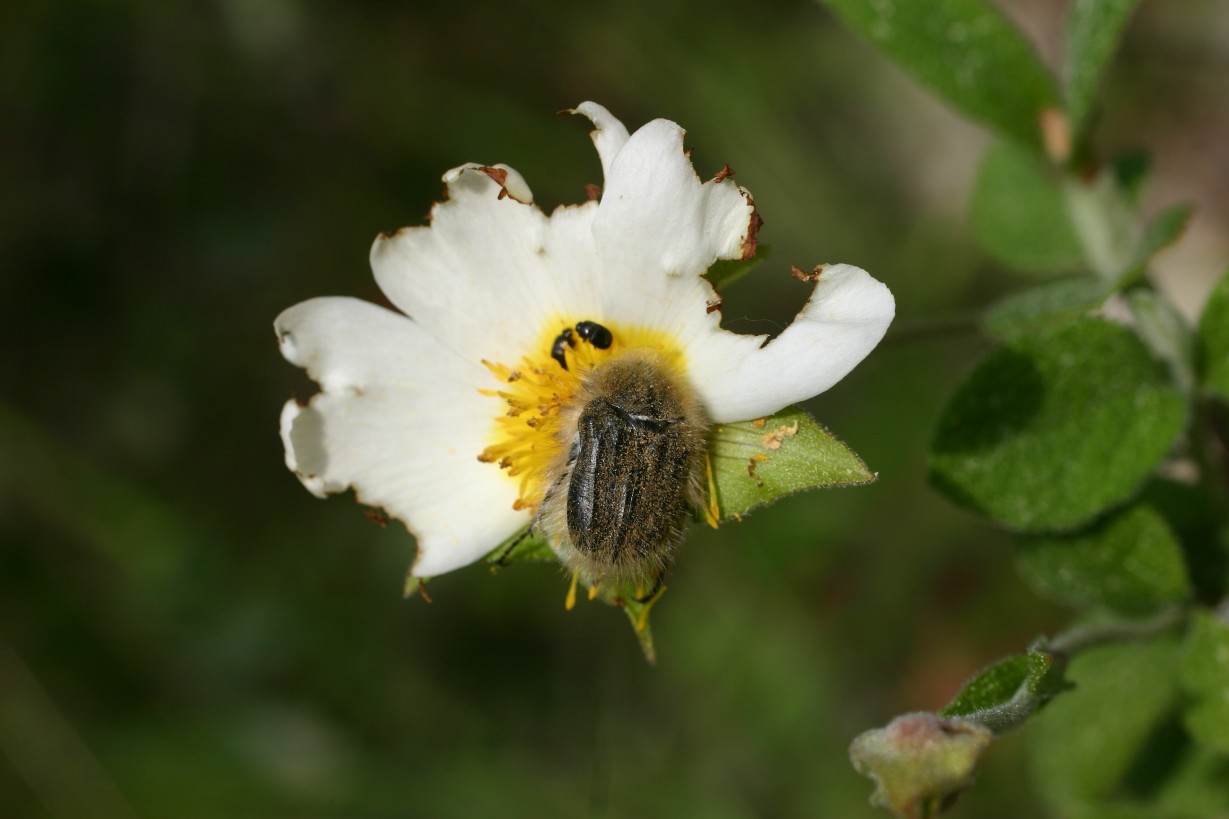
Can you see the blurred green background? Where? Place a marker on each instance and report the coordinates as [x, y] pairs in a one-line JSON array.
[[185, 632]]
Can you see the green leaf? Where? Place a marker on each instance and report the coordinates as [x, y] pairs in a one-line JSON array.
[[1130, 171], [1195, 513], [724, 272], [1129, 563], [757, 462], [1214, 341], [1164, 329], [966, 51], [1197, 786], [1165, 229], [1088, 741], [1205, 679], [1093, 30], [1107, 223], [1008, 692], [1019, 214], [1053, 428], [1058, 301]]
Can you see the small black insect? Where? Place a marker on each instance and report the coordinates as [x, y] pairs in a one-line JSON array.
[[589, 331], [595, 334]]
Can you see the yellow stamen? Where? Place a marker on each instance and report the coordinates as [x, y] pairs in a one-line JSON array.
[[570, 601], [527, 424], [712, 514]]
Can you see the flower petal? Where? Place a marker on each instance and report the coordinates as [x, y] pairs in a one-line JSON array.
[[608, 134], [401, 422], [739, 377], [490, 270], [658, 228]]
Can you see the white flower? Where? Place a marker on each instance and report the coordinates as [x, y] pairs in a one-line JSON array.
[[446, 415]]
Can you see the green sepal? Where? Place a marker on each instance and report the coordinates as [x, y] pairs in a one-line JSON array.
[[1129, 563], [1019, 214], [1204, 676], [531, 547], [754, 463], [724, 272], [1054, 302], [1053, 428], [522, 547], [1214, 341], [965, 50], [414, 586], [630, 599], [1007, 693]]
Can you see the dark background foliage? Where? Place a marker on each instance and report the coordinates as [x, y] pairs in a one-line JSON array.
[[185, 632]]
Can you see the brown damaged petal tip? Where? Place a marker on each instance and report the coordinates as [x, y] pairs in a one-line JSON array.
[[376, 516], [714, 305], [500, 176], [592, 192], [753, 228], [798, 274], [725, 173]]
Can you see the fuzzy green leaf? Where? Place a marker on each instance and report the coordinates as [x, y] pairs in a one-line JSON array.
[[1088, 741], [1019, 214], [724, 272], [1214, 341], [1052, 302], [1008, 692], [1053, 428], [1165, 229], [757, 462], [1129, 563], [1094, 28], [1165, 330], [1198, 786], [1205, 678], [966, 51]]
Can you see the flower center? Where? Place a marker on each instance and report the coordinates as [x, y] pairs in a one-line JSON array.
[[529, 435]]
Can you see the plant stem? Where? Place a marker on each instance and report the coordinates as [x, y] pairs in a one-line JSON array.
[[1082, 637]]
